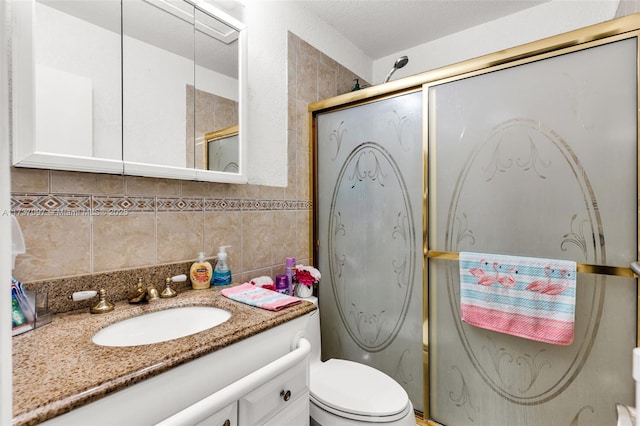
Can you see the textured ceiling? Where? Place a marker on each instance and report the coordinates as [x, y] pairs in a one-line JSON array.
[[383, 27]]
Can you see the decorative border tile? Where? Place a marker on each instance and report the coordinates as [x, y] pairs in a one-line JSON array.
[[99, 205], [183, 204], [51, 205], [127, 203]]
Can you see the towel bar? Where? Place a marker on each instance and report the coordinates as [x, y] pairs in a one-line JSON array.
[[585, 268]]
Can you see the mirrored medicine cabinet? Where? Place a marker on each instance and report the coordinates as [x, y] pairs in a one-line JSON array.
[[128, 87]]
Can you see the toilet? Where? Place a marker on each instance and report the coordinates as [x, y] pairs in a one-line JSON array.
[[347, 393]]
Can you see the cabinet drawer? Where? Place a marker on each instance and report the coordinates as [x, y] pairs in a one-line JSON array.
[[275, 395], [228, 416], [295, 414]]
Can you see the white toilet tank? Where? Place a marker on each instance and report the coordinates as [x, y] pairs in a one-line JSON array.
[[313, 331]]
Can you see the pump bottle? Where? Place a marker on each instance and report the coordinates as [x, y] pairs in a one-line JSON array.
[[221, 273], [200, 273]]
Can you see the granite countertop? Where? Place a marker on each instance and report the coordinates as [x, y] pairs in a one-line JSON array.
[[57, 368]]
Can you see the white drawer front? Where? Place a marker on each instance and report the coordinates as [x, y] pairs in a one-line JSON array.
[[277, 394], [228, 416], [297, 413]]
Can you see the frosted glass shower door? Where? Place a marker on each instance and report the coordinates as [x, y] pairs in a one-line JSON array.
[[540, 160], [369, 227]]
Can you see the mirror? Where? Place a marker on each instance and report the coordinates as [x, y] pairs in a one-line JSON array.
[[157, 68], [66, 85], [126, 87], [221, 150], [216, 91]]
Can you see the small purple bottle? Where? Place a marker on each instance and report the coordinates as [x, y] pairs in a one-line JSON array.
[[282, 284], [290, 264]]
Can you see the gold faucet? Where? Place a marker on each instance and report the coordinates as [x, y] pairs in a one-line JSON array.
[[103, 304], [152, 293], [139, 295], [168, 291], [101, 307]]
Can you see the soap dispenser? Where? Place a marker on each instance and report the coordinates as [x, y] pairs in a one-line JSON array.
[[221, 273], [200, 273]]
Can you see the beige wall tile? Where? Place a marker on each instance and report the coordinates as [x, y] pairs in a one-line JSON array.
[[307, 78], [123, 241], [179, 236], [303, 176], [86, 183], [291, 191], [271, 192], [285, 236], [303, 240], [292, 146], [205, 109], [136, 185], [257, 239], [302, 131], [344, 82], [29, 180], [190, 131], [249, 191], [192, 188], [57, 246], [249, 275], [326, 60], [234, 191], [291, 112], [305, 49], [221, 190], [226, 114], [224, 228], [327, 77], [292, 55]]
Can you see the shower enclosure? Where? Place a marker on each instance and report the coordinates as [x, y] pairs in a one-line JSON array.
[[536, 160], [528, 152], [369, 216]]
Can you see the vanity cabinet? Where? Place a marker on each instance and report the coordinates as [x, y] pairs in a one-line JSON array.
[[282, 400], [275, 394], [240, 383]]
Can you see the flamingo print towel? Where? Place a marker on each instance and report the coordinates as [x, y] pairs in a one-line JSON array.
[[527, 297], [260, 297]]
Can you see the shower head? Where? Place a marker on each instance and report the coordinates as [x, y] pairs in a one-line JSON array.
[[400, 62]]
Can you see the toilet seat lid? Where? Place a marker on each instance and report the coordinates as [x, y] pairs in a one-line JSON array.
[[355, 388]]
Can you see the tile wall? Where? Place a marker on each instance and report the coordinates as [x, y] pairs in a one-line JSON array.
[[82, 223]]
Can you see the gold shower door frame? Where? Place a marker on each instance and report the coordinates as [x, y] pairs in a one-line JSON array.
[[626, 27]]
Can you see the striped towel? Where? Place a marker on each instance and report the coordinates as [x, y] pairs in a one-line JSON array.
[[524, 296], [260, 297]]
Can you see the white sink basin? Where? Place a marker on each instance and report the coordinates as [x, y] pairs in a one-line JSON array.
[[161, 326]]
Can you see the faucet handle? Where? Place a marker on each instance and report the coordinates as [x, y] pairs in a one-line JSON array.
[[103, 304], [82, 295], [168, 291]]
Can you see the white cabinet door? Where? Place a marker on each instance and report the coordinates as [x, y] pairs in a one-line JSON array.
[[276, 396], [228, 416], [297, 413]]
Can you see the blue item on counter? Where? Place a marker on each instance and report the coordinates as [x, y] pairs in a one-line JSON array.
[[221, 273]]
